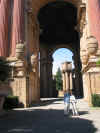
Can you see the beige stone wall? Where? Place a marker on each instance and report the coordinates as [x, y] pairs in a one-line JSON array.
[[34, 89], [19, 89], [91, 82]]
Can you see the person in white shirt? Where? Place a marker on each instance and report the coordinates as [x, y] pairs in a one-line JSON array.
[[73, 103]]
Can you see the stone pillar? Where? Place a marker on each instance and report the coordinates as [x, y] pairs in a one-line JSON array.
[[64, 81], [49, 75], [43, 78], [67, 81], [71, 83], [18, 33], [4, 7], [94, 18], [35, 82], [46, 76]]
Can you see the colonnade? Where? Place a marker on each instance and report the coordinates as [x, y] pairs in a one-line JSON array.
[[67, 76], [14, 45]]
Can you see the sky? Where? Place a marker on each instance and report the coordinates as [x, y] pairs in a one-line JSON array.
[[61, 55]]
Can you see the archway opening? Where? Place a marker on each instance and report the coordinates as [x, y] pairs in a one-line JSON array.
[[60, 56], [57, 22]]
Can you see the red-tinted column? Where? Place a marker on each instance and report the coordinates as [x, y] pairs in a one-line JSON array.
[[17, 25], [4, 10], [94, 18]]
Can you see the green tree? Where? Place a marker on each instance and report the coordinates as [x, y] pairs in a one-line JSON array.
[[59, 80], [5, 69]]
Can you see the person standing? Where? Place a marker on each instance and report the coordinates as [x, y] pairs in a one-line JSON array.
[[73, 103], [66, 102]]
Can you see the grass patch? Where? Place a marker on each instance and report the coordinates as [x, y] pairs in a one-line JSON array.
[[96, 100]]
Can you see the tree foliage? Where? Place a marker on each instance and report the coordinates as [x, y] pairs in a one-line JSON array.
[[5, 69], [59, 80], [98, 62]]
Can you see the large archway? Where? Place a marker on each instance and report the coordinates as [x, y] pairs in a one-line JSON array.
[[60, 22], [57, 21]]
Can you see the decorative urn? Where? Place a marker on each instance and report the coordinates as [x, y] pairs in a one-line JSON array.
[[84, 57], [92, 45], [20, 47]]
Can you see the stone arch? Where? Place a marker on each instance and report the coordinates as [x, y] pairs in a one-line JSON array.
[[46, 54], [36, 5], [61, 46], [69, 47]]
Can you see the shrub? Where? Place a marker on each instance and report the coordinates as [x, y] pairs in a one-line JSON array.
[[5, 69], [59, 85], [98, 62], [11, 102], [96, 100]]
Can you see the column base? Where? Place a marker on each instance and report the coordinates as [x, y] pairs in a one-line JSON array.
[[24, 84], [91, 79]]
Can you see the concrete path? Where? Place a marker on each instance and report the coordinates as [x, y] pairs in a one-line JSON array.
[[49, 118]]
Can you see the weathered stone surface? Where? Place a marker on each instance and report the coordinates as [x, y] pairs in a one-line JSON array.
[[94, 18], [4, 10], [18, 33], [92, 45], [27, 87]]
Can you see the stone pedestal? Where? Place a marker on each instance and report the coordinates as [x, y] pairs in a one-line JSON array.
[[91, 79], [23, 83]]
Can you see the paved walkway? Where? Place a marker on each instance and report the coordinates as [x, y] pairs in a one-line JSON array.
[[49, 118]]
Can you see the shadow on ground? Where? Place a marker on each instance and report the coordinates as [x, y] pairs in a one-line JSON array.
[[43, 121]]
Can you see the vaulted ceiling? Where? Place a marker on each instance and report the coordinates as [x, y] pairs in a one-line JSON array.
[[57, 23]]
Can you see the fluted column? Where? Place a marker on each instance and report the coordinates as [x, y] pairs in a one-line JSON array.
[[4, 10], [43, 78], [18, 32], [67, 81], [64, 81], [71, 83], [94, 18]]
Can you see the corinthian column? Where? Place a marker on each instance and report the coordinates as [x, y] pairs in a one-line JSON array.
[[64, 81], [4, 7], [17, 25], [71, 83], [67, 81], [94, 18]]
